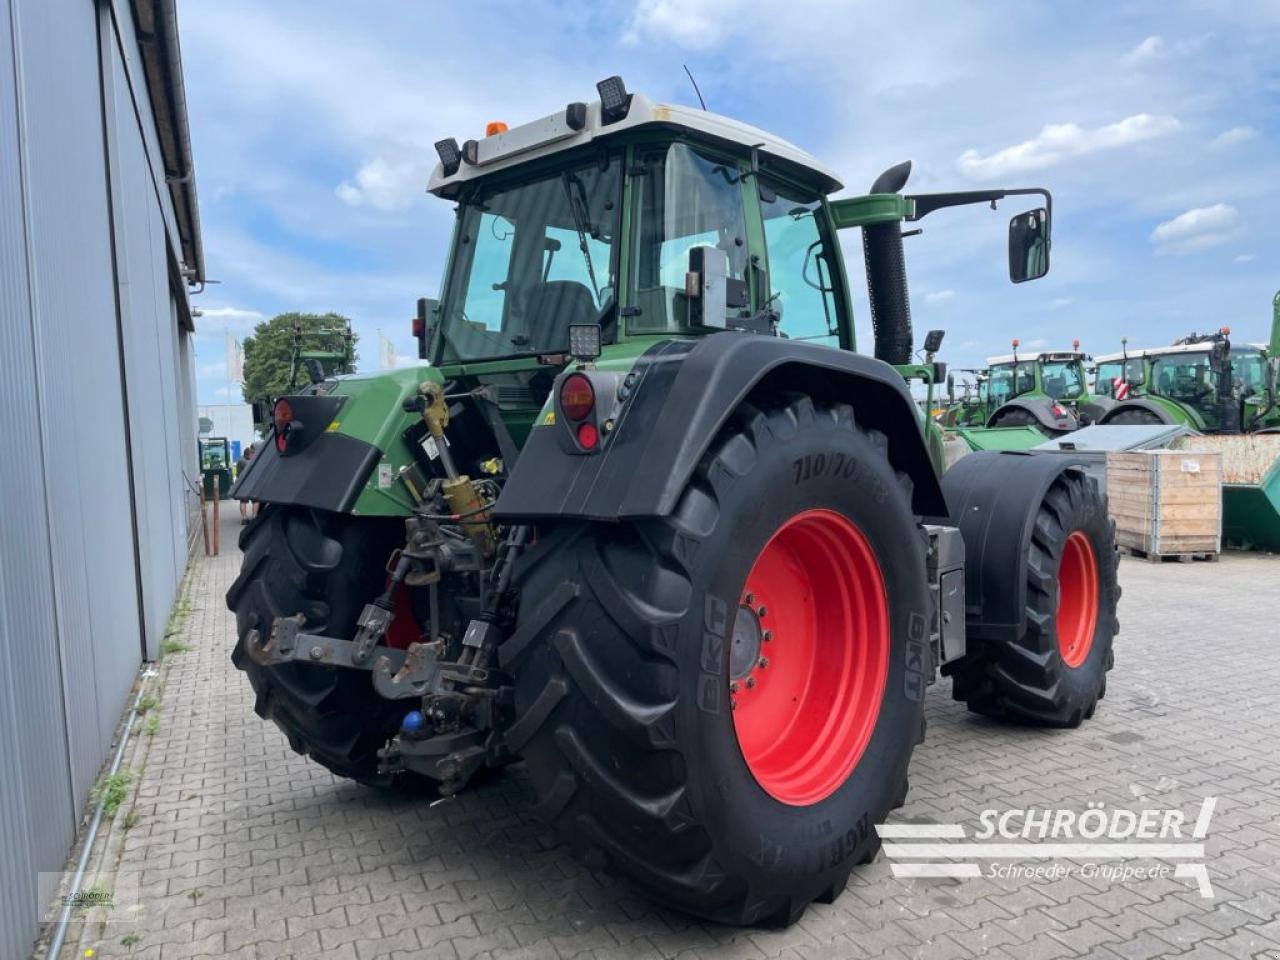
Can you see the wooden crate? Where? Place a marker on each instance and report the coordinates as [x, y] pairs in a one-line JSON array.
[[1166, 503]]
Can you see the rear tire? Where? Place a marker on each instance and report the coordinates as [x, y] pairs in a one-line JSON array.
[[1055, 673], [623, 663], [326, 567]]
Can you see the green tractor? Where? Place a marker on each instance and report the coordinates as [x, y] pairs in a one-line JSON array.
[[969, 408], [1048, 390], [332, 352], [1202, 381], [649, 524], [215, 465]]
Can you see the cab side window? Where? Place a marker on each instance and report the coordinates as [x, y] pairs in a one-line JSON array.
[[800, 276]]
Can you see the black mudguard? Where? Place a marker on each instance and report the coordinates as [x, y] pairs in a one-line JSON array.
[[682, 394], [1094, 410], [1137, 404], [323, 470], [994, 498], [1042, 409]]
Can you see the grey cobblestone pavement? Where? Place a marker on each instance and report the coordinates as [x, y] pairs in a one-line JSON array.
[[247, 850]]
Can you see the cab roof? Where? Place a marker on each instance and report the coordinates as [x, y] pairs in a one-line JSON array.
[[1038, 356], [553, 134], [1178, 348]]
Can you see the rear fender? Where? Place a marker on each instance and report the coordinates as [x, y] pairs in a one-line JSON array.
[[1042, 409], [994, 498], [676, 399], [1158, 409]]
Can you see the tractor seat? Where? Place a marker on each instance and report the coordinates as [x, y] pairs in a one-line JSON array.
[[552, 307]]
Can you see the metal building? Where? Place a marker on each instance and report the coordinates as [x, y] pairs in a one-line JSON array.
[[99, 243]]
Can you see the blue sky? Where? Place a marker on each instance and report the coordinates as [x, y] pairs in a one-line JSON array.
[[1154, 124]]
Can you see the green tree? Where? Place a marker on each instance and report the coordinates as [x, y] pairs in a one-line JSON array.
[[269, 351]]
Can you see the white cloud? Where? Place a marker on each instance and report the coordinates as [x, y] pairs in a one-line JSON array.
[[1197, 229], [1156, 48], [1244, 258], [384, 185], [940, 296], [692, 24], [1060, 141], [1152, 48], [1233, 137]]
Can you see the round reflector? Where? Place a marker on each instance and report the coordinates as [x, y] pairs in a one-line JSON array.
[[281, 417], [588, 436], [577, 397]]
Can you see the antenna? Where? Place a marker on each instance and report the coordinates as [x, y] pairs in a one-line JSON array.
[[702, 102]]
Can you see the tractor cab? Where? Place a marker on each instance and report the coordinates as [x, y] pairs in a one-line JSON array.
[[604, 216], [1045, 389]]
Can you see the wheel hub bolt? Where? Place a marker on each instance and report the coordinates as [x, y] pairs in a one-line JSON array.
[[748, 600], [751, 682], [762, 662], [733, 687], [761, 611], [316, 653], [768, 635]]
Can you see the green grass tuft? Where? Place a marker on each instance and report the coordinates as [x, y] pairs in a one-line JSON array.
[[111, 791]]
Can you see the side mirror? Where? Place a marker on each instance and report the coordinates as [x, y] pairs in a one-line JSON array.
[[951, 387], [933, 340], [706, 286], [1029, 245]]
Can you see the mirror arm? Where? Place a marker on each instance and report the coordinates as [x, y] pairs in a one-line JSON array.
[[925, 203]]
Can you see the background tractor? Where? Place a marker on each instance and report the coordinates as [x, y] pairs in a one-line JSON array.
[[966, 399], [1202, 381], [1048, 390], [648, 523]]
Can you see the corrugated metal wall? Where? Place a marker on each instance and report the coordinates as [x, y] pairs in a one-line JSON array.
[[98, 373]]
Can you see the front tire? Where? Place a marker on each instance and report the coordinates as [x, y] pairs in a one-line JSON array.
[[626, 653], [1055, 672]]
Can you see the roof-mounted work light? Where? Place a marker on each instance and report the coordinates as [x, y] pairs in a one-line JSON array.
[[450, 155], [614, 99]]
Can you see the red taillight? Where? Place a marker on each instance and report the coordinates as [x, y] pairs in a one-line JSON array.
[[588, 436], [281, 417], [577, 397], [419, 326], [1059, 412]]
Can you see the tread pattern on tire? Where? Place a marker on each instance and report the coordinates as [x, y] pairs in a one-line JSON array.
[[332, 715], [1020, 681], [600, 725]]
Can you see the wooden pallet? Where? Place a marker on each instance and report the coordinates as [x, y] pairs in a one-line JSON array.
[[1162, 557]]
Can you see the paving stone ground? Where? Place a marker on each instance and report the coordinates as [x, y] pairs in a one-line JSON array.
[[247, 850]]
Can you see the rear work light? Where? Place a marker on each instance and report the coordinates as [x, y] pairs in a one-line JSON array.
[[281, 417], [577, 397]]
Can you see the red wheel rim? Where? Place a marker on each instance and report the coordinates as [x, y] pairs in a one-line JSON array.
[[1077, 614], [809, 656]]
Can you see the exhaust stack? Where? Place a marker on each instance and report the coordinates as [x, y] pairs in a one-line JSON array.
[[887, 276]]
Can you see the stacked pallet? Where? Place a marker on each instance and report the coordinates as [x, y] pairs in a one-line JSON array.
[[1167, 503]]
